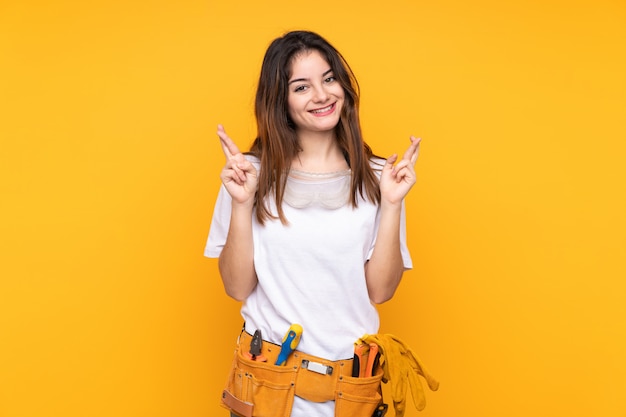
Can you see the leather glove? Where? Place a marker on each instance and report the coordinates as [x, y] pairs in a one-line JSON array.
[[401, 368]]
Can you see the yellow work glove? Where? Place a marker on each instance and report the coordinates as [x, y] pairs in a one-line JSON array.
[[400, 368]]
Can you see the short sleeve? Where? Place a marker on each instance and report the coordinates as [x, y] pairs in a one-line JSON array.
[[404, 249], [219, 224]]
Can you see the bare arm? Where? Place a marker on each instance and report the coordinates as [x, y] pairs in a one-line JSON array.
[[384, 270], [236, 262]]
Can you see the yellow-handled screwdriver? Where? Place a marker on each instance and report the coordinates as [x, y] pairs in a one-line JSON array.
[[290, 341]]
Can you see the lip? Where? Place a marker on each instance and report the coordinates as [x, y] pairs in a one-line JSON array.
[[317, 113]]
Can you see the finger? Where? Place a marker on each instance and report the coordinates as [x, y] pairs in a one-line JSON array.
[[417, 151], [228, 146], [413, 150], [236, 174], [403, 170], [402, 164], [239, 166], [221, 134], [391, 160], [405, 174], [229, 175]]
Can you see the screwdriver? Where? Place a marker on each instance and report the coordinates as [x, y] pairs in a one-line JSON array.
[[290, 341]]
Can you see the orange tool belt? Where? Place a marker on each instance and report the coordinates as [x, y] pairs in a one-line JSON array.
[[262, 389]]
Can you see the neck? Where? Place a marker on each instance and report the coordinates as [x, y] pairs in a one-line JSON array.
[[320, 153]]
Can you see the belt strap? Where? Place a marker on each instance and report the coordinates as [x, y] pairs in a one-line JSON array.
[[317, 379]]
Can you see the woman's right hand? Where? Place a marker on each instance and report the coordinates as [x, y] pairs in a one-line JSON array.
[[238, 175]]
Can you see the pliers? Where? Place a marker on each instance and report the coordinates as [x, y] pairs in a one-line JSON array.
[[361, 369], [255, 348]]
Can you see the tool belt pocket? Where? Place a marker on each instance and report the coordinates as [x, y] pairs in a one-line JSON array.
[[259, 389], [356, 397]]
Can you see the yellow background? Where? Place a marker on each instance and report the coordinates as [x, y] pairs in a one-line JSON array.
[[110, 165]]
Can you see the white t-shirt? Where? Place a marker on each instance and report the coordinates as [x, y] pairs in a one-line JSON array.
[[311, 271]]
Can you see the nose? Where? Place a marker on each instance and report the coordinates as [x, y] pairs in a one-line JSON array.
[[320, 94]]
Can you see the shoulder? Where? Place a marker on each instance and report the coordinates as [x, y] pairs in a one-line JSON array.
[[377, 164]]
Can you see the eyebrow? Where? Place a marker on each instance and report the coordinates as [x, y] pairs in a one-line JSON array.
[[306, 79]]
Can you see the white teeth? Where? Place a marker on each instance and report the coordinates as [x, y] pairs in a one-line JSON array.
[[322, 110]]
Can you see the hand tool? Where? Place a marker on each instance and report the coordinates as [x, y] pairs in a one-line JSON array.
[[381, 410], [255, 348], [290, 341], [372, 360], [358, 363], [397, 359]]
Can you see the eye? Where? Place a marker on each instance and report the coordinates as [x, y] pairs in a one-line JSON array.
[[300, 88], [330, 79]]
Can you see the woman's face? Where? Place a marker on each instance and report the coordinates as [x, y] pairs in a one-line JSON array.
[[315, 97]]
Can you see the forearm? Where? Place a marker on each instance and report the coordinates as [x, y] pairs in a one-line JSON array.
[[385, 268], [236, 262]]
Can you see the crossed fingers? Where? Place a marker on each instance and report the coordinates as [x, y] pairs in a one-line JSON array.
[[235, 161], [408, 160]]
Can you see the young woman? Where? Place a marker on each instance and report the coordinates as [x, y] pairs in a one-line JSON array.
[[309, 227]]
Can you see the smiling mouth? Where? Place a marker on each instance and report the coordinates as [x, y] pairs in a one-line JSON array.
[[324, 110]]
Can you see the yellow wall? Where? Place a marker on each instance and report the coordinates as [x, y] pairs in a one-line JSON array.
[[109, 167]]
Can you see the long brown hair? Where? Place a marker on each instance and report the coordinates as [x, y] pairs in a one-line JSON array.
[[276, 144]]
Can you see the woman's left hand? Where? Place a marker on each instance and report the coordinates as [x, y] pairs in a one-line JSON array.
[[396, 180]]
